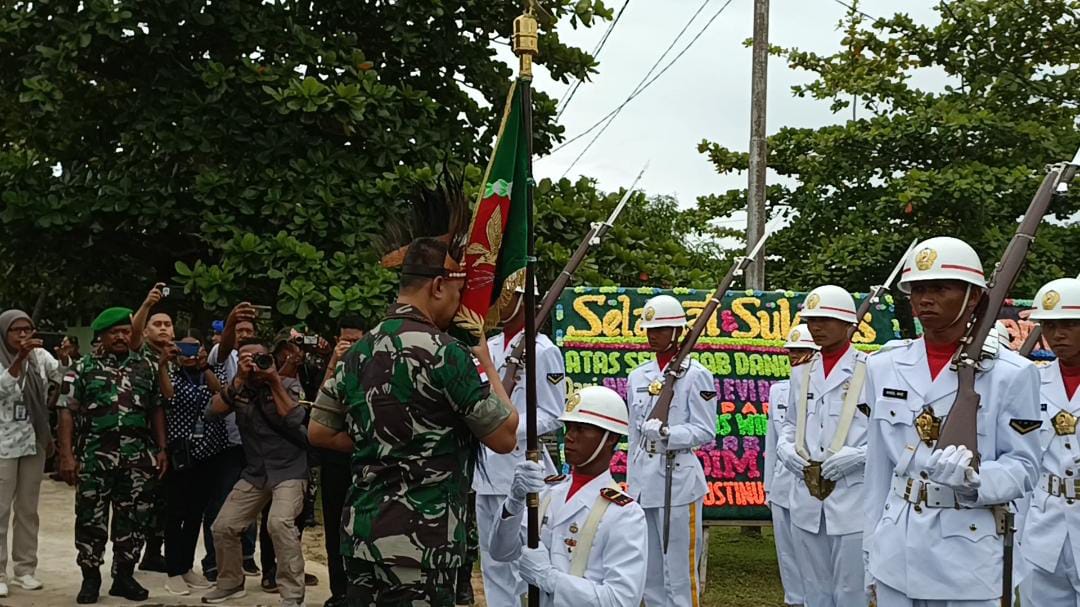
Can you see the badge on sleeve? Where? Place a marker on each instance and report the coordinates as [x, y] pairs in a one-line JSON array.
[[708, 394], [1025, 426], [555, 378]]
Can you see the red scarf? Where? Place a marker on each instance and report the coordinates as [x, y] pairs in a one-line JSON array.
[[509, 337], [830, 359], [577, 481], [939, 355], [1071, 377], [663, 358]]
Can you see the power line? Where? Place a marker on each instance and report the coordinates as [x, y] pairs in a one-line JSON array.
[[645, 83], [596, 53], [854, 9]]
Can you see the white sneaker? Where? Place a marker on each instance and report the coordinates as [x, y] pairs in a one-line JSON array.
[[27, 582], [176, 585], [194, 580], [292, 603], [3, 589]]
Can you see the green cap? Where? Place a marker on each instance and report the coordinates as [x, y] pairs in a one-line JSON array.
[[111, 318]]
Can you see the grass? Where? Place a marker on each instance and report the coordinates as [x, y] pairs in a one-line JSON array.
[[742, 570]]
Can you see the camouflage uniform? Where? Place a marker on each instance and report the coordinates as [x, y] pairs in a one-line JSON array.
[[111, 398], [411, 399]]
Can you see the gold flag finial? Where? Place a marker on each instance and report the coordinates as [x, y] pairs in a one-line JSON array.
[[526, 42]]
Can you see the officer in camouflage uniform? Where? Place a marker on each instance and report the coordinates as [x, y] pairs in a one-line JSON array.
[[410, 399], [114, 393]]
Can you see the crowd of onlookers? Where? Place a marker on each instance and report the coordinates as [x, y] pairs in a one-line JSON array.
[[237, 467]]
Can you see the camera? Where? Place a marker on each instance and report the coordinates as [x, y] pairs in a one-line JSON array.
[[264, 361]]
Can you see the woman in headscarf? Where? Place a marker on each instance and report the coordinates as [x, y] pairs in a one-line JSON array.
[[26, 372]]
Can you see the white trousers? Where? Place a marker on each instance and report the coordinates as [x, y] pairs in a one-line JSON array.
[[832, 567], [891, 597], [1060, 588], [671, 579], [790, 576], [20, 485], [503, 586]]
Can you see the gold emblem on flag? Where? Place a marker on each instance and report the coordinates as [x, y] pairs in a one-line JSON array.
[[1051, 300], [812, 301], [650, 313], [656, 387], [928, 426], [1064, 424], [573, 401], [925, 259]]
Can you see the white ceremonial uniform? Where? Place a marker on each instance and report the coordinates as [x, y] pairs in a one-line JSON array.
[[614, 575], [1052, 533], [503, 586], [778, 481], [944, 550], [828, 533], [672, 578]]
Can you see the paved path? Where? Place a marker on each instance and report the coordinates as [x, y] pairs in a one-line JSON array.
[[57, 569]]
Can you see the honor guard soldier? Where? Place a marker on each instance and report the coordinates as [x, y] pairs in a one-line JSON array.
[[503, 586], [800, 347], [1052, 533], [823, 444], [672, 577], [592, 535], [932, 520]]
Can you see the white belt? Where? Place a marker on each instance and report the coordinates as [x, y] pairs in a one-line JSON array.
[[1067, 488], [927, 493]]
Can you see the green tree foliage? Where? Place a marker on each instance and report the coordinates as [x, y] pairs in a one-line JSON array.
[[963, 161], [243, 149]]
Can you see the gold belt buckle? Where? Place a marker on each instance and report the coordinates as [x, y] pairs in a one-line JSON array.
[[817, 485]]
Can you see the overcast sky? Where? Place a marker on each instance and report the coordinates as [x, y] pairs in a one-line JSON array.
[[705, 95]]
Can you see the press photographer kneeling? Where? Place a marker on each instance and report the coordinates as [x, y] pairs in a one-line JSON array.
[[271, 428]]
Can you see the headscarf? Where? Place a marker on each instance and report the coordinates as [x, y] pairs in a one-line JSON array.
[[35, 392]]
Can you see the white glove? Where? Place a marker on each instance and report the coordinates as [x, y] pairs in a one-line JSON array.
[[843, 461], [952, 467], [535, 568], [528, 478], [654, 430], [791, 458]]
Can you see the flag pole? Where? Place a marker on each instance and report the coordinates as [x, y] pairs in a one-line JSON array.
[[526, 46]]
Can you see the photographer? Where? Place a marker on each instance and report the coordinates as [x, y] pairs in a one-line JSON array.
[[271, 426], [195, 446]]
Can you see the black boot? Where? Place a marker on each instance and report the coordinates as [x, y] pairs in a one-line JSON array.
[[152, 559], [125, 586], [464, 594], [91, 586]]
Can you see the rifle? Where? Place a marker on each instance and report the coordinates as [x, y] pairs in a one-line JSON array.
[[960, 426], [596, 232], [876, 292], [671, 374], [1032, 340]]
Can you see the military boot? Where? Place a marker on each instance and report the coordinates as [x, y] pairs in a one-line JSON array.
[[464, 594], [91, 586], [125, 586]]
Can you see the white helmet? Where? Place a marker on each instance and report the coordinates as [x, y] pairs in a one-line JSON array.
[[800, 337], [663, 311], [942, 258], [597, 406], [1058, 300], [829, 301]]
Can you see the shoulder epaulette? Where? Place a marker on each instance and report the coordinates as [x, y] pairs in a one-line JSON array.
[[554, 479], [892, 345], [616, 497]]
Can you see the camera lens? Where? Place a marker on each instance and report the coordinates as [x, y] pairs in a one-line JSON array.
[[264, 361]]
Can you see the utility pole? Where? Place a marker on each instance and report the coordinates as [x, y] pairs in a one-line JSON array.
[[755, 199]]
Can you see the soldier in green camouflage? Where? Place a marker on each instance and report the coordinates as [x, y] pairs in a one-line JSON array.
[[409, 404], [121, 453]]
